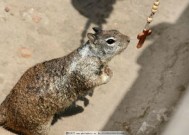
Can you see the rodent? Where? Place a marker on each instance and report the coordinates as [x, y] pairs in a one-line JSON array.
[[52, 86]]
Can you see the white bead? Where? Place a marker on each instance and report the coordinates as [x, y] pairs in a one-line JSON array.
[[149, 20], [156, 3]]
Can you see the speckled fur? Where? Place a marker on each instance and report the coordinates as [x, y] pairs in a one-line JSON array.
[[52, 86]]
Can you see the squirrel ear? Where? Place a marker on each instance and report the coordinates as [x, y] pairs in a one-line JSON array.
[[91, 37]]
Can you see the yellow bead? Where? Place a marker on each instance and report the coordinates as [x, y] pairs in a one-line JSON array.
[[154, 7], [156, 3], [154, 11], [149, 20]]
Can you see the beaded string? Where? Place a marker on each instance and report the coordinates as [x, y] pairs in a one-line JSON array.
[[147, 31]]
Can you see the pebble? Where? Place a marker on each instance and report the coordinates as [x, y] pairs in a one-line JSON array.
[[25, 52], [36, 18], [7, 9]]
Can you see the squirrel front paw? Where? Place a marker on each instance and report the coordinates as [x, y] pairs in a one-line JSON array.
[[106, 74], [108, 71]]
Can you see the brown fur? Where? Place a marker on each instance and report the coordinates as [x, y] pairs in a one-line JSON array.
[[54, 85]]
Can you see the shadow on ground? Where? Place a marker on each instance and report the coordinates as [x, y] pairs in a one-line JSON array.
[[97, 11], [74, 109], [162, 79]]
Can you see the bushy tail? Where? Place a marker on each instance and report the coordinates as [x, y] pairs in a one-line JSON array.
[[2, 115]]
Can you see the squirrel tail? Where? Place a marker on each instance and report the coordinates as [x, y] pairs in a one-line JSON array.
[[2, 115]]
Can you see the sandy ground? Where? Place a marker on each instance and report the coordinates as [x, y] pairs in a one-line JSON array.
[[147, 83]]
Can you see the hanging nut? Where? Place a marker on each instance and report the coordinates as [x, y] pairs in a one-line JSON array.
[[149, 20]]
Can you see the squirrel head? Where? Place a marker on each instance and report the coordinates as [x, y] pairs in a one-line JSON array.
[[107, 43]]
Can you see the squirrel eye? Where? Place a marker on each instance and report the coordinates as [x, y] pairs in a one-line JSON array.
[[110, 41]]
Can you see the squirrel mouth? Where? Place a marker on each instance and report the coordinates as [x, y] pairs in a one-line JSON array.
[[119, 52]]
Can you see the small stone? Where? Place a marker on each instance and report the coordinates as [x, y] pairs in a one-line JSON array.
[[126, 126], [143, 128], [115, 24], [7, 9], [36, 18], [25, 52]]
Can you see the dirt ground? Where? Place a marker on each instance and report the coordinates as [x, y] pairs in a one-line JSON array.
[[147, 83]]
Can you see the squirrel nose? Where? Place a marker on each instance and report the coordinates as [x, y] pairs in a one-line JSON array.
[[128, 39]]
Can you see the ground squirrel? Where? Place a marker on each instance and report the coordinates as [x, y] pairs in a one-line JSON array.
[[52, 86]]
